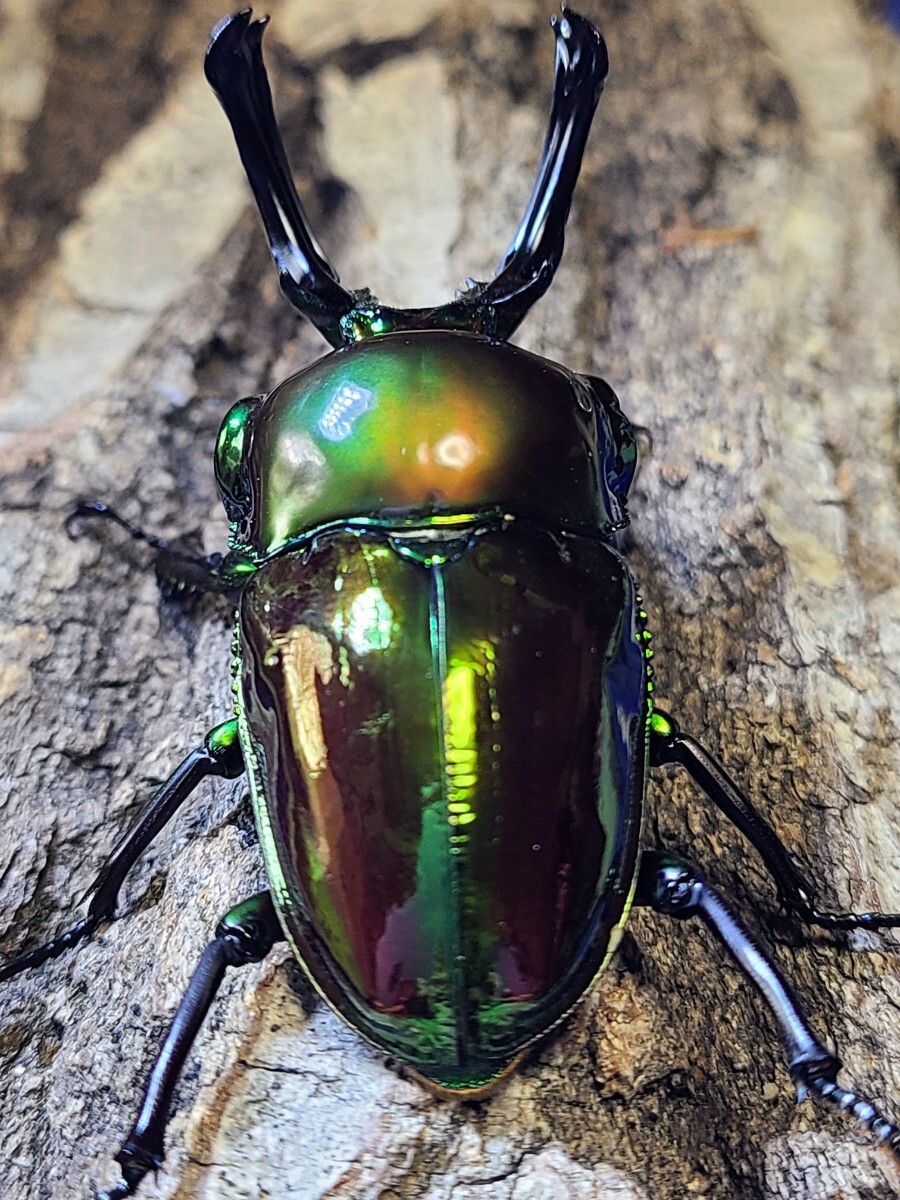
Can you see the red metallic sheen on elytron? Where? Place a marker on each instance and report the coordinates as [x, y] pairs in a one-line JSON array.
[[449, 782]]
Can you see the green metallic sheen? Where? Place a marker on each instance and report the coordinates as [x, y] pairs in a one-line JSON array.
[[229, 457], [413, 425], [223, 738], [241, 917], [661, 725], [362, 323], [451, 864]]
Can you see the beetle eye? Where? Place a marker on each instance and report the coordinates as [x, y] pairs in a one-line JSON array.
[[625, 464], [622, 463], [232, 474]]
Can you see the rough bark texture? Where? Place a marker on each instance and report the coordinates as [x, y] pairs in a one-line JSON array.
[[138, 303]]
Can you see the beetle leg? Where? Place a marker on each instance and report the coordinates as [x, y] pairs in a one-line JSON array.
[[220, 755], [668, 745], [676, 888], [246, 934], [176, 570]]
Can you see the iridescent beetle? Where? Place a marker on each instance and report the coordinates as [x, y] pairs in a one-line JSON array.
[[444, 695]]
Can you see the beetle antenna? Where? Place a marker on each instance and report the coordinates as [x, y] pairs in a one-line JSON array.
[[237, 74], [531, 259]]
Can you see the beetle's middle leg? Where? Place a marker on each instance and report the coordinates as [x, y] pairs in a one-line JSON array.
[[245, 934], [668, 745], [221, 756], [176, 570], [674, 887]]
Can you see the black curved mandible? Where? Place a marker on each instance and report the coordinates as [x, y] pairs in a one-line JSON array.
[[235, 69], [237, 73], [531, 259]]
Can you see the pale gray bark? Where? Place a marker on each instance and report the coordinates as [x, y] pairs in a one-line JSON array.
[[139, 303]]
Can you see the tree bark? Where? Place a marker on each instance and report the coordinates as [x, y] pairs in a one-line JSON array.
[[733, 269]]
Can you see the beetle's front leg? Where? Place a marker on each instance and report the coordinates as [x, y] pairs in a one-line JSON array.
[[245, 935], [669, 746], [675, 887], [220, 756], [176, 570]]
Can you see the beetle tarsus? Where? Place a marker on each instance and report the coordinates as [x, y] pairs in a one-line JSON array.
[[821, 1084], [676, 888], [121, 1191], [53, 949], [136, 1162], [842, 920]]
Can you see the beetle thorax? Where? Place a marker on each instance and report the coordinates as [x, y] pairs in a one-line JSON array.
[[421, 425]]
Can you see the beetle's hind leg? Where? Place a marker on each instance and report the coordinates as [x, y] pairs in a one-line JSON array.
[[245, 935], [676, 888], [221, 756], [669, 746], [177, 571]]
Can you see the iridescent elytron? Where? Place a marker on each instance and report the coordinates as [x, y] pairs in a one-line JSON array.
[[442, 678]]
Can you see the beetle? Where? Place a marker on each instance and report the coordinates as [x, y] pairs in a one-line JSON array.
[[424, 526]]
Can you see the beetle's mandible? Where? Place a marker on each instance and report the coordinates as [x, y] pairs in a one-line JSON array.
[[425, 530]]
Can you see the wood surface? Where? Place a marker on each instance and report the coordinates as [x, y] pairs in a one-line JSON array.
[[733, 269]]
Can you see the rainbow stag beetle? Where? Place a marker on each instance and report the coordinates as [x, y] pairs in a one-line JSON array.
[[423, 529]]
